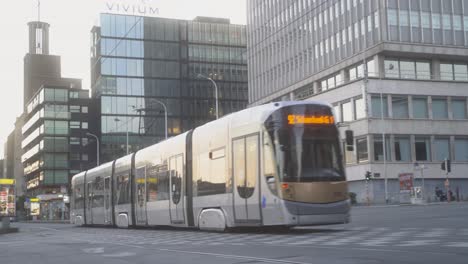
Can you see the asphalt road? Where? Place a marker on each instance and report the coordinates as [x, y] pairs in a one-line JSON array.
[[400, 234]]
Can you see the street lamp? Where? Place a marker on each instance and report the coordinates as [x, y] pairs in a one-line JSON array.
[[97, 145], [422, 168], [165, 112], [118, 120], [201, 76]]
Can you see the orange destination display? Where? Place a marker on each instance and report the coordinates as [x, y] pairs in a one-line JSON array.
[[304, 119]]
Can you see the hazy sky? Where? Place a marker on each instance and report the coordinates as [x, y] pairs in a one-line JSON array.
[[71, 21]]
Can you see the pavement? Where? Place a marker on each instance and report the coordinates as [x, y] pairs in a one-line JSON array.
[[405, 234]]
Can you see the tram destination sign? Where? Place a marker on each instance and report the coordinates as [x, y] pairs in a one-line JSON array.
[[131, 7]]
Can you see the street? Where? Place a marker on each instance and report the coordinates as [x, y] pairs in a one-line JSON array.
[[394, 234]]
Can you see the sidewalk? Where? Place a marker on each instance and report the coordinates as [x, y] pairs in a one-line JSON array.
[[397, 205], [45, 221]]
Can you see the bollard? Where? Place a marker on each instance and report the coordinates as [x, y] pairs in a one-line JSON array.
[[6, 223]]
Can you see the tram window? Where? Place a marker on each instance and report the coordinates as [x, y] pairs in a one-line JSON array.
[[123, 190], [269, 163], [239, 165], [157, 183], [98, 196], [78, 198], [252, 165], [212, 173]]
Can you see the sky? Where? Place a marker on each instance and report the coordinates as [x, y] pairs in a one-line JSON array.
[[71, 22]]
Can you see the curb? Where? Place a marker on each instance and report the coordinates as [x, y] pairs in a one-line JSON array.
[[10, 230], [398, 205]]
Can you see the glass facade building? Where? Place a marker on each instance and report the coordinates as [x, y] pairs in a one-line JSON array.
[[140, 62], [395, 72]]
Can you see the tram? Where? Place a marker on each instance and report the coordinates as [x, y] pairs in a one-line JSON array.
[[278, 164]]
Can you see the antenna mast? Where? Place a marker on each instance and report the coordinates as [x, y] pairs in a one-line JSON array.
[[39, 10]]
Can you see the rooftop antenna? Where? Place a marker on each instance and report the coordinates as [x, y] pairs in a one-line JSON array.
[[39, 10]]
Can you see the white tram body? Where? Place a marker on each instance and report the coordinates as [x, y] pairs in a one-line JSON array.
[[275, 164]]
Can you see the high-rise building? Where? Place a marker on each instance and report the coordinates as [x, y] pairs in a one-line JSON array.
[[140, 63], [396, 72], [49, 142]]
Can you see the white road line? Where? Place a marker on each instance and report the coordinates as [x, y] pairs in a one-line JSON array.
[[456, 244], [267, 260]]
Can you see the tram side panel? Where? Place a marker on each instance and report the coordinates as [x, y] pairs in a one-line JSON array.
[[212, 186], [160, 183], [78, 199], [122, 178]]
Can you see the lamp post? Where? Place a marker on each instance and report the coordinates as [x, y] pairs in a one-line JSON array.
[[118, 120], [97, 146], [165, 112], [201, 76]]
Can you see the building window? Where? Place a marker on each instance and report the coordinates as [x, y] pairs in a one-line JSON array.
[[74, 124], [408, 70], [404, 21], [442, 148], [392, 69], [74, 156], [84, 157], [347, 112], [414, 16], [74, 108], [337, 113], [84, 109], [361, 148], [446, 71], [349, 155], [378, 148], [392, 17], [400, 107], [359, 108], [459, 108], [436, 21], [377, 106], [420, 107], [74, 141], [460, 72], [84, 141], [84, 125], [402, 149], [422, 146], [461, 149], [423, 70], [439, 109]]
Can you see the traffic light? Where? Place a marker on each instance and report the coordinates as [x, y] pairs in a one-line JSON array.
[[446, 166], [368, 175]]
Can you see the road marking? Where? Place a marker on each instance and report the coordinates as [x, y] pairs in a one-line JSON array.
[[419, 243], [93, 250], [267, 260], [457, 244], [120, 255]]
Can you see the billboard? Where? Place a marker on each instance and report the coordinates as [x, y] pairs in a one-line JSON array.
[[406, 185], [7, 197]]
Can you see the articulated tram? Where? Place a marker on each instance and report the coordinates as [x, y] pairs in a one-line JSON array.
[[275, 164]]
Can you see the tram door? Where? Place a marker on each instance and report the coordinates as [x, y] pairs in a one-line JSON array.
[[107, 201], [245, 165], [89, 203], [176, 186], [140, 190]]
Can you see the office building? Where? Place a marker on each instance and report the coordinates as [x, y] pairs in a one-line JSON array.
[[140, 63], [55, 145], [394, 71]]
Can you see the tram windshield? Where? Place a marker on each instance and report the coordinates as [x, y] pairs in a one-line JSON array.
[[306, 145]]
